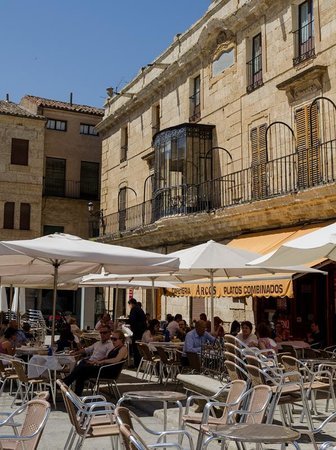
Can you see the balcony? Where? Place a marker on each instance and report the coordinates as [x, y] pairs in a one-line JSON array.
[[254, 74], [285, 175], [304, 43], [71, 189]]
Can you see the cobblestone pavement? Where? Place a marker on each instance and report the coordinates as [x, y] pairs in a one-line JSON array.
[[58, 426]]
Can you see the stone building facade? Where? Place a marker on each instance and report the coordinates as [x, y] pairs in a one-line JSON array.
[[49, 171], [21, 172], [230, 132]]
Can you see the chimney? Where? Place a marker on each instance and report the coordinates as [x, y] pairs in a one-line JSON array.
[[7, 97], [70, 98]]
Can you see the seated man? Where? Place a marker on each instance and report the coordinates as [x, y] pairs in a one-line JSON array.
[[98, 353], [195, 339]]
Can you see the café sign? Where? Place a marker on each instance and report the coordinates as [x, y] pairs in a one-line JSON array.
[[254, 288]]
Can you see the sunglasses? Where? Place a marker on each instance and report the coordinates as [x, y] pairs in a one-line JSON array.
[[114, 338], [104, 332]]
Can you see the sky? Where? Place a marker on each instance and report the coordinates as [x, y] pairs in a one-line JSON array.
[[51, 48]]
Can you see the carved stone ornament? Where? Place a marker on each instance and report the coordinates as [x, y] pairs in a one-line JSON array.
[[214, 34], [304, 83]]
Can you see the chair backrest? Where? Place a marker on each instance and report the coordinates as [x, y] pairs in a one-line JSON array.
[[289, 349], [229, 338], [20, 372], [231, 370], [235, 363], [291, 364], [162, 355], [234, 397], [70, 407], [256, 375], [253, 361], [147, 354], [123, 416], [131, 440], [231, 348], [194, 361], [260, 398], [37, 413], [117, 368]]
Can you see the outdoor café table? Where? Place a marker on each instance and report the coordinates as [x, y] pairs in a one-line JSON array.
[[297, 345], [30, 351], [39, 364], [256, 433], [311, 363], [157, 396]]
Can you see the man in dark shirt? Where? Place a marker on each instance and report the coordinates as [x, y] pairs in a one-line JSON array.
[[316, 338], [137, 321]]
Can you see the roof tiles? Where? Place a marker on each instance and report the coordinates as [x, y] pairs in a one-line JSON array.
[[54, 104]]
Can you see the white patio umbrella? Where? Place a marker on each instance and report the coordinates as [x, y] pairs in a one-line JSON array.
[[3, 299], [308, 248], [124, 282], [19, 301], [213, 259], [71, 255]]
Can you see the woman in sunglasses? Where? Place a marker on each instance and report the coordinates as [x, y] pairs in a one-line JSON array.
[[114, 353]]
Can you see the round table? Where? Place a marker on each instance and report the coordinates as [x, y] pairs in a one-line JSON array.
[[164, 397], [256, 433]]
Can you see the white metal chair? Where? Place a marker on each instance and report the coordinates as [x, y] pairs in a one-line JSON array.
[[28, 386], [257, 400], [36, 414], [90, 417], [126, 418]]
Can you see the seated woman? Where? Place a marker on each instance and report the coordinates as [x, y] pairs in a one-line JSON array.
[[246, 335], [218, 328], [105, 321], [281, 333], [90, 368], [7, 343], [66, 339], [265, 342], [152, 334], [235, 328]]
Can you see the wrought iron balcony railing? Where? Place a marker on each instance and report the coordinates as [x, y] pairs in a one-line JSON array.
[[254, 73], [304, 43], [85, 190], [288, 174]]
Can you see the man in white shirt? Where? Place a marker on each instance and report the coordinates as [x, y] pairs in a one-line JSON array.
[[99, 350], [173, 326]]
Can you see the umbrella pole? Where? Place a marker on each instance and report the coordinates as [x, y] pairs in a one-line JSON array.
[[212, 301], [153, 298], [18, 308], [116, 307], [56, 265]]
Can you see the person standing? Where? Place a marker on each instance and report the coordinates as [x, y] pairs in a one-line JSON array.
[[137, 321]]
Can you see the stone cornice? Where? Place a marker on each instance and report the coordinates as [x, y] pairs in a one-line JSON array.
[[214, 31]]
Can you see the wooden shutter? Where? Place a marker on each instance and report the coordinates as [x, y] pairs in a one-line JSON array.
[[8, 221], [25, 216], [89, 180], [308, 150], [19, 153], [259, 162], [55, 177]]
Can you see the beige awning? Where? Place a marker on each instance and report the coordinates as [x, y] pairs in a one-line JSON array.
[[272, 287], [278, 285]]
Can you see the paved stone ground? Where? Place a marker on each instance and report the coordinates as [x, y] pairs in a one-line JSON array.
[[58, 425]]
